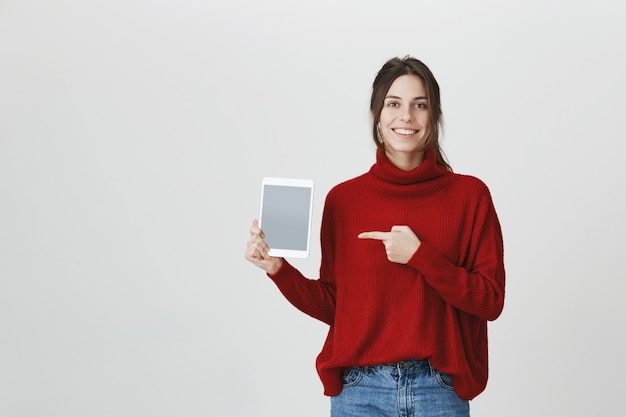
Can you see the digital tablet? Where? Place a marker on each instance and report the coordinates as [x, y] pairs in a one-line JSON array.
[[286, 207]]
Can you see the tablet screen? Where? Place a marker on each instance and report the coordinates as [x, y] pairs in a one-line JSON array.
[[285, 218]]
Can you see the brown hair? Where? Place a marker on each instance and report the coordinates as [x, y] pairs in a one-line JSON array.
[[393, 69]]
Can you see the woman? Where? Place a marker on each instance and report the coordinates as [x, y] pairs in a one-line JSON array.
[[411, 271]]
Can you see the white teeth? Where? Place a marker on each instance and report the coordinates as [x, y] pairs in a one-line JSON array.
[[405, 131]]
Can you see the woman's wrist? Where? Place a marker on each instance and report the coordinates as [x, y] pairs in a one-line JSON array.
[[275, 266]]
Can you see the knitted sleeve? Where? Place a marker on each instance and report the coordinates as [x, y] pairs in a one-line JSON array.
[[315, 297], [477, 285]]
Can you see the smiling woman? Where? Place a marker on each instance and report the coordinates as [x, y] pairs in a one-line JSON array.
[[404, 123], [411, 271], [412, 79]]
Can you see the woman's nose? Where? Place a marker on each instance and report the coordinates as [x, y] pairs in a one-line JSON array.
[[407, 115]]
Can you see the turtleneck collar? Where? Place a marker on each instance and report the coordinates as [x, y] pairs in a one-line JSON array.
[[385, 170]]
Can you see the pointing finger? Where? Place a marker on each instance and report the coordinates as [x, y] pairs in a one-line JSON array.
[[373, 235]]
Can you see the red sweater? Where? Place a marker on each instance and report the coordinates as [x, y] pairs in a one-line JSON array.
[[437, 306]]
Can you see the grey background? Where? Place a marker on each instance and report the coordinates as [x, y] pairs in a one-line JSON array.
[[133, 139]]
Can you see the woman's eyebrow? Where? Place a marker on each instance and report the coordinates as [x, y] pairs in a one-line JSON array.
[[398, 98]]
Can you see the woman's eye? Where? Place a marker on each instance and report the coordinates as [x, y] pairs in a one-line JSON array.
[[420, 105], [392, 104]]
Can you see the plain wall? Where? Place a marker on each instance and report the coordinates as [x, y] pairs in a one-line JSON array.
[[133, 139]]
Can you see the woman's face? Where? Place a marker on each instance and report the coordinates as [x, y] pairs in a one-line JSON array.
[[405, 121]]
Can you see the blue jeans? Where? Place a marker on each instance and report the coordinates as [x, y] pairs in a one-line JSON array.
[[404, 389]]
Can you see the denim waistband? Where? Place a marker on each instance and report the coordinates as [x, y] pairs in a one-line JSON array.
[[402, 368]]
